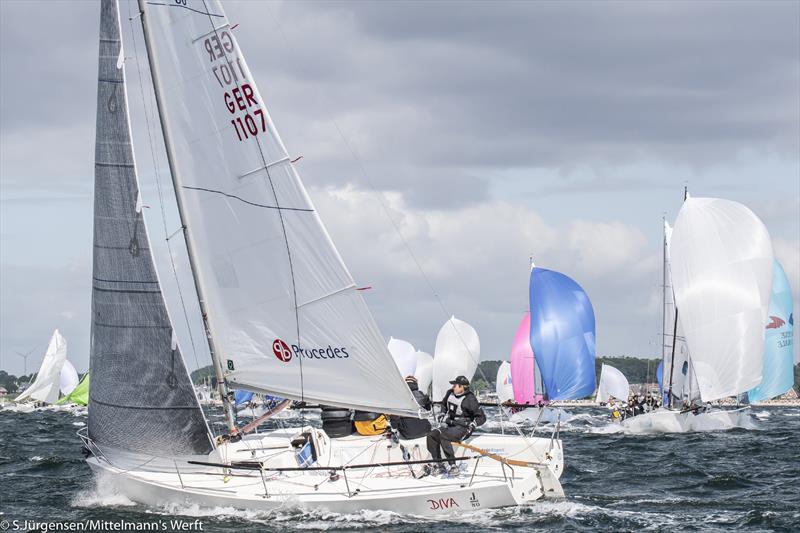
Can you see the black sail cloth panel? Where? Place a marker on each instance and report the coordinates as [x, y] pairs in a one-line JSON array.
[[141, 397]]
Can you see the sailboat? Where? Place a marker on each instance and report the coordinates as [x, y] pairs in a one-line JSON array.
[[562, 334], [457, 352], [504, 386], [45, 388], [720, 260], [613, 386], [424, 370], [404, 355], [281, 311]]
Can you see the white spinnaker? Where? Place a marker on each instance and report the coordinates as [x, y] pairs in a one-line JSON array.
[[458, 350], [69, 378], [424, 371], [722, 277], [283, 309], [613, 384], [404, 356], [505, 391], [45, 387]]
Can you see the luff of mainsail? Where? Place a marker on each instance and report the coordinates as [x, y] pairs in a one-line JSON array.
[[282, 308], [721, 266], [141, 398]]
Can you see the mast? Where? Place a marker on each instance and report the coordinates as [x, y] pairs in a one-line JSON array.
[[663, 295], [222, 385], [672, 364]]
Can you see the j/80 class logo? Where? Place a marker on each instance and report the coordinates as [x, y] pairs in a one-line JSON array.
[[285, 353]]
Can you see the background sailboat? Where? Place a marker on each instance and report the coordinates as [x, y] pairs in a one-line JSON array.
[[45, 387], [613, 385], [458, 350], [526, 378], [562, 334]]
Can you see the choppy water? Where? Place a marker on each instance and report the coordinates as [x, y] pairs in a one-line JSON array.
[[741, 479]]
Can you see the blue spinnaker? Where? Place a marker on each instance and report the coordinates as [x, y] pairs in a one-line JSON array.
[[242, 397], [778, 373], [562, 335], [660, 375]]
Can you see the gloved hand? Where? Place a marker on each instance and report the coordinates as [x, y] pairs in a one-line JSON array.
[[470, 428]]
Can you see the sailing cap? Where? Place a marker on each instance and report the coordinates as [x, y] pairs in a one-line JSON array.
[[460, 380]]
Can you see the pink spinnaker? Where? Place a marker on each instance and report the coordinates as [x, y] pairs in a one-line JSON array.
[[522, 365]]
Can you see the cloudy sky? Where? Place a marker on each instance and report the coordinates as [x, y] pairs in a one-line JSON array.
[[444, 144]]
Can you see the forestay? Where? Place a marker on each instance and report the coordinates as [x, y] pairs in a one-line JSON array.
[[778, 373], [45, 387], [722, 274], [142, 399], [283, 310], [458, 350]]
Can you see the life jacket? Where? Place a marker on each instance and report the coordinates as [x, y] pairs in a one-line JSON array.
[[370, 423]]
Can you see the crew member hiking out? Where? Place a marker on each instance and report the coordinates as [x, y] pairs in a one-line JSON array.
[[463, 415], [410, 427]]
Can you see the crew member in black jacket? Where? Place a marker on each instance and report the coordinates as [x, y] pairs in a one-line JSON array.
[[464, 414], [411, 427]]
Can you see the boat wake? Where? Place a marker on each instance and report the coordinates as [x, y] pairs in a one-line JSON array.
[[103, 494]]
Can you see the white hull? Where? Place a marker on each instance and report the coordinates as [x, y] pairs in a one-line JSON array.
[[482, 483], [667, 421]]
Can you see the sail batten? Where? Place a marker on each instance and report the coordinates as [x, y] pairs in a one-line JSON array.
[[141, 399], [281, 306]]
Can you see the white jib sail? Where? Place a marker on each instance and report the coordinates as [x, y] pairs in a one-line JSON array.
[[505, 391], [404, 356], [45, 387], [458, 350], [424, 371], [722, 276], [613, 384], [69, 378], [283, 309]]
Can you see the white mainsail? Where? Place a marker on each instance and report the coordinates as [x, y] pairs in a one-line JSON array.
[[424, 371], [45, 387], [69, 378], [681, 381], [503, 385], [722, 275], [458, 350], [613, 384], [283, 310], [404, 356]]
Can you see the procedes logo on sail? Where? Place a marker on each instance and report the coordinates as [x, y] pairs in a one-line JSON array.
[[285, 354]]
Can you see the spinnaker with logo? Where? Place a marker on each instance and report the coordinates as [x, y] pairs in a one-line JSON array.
[[778, 371], [282, 313]]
